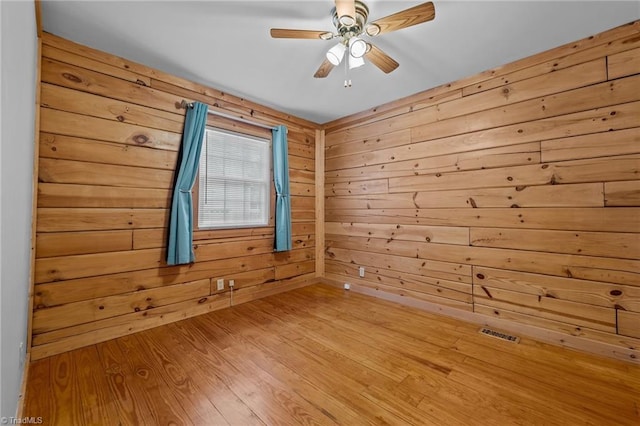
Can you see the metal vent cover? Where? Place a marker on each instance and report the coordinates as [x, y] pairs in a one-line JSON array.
[[499, 335]]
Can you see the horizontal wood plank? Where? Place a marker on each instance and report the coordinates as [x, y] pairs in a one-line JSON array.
[[430, 234], [591, 337], [72, 195], [401, 137], [623, 63], [70, 243], [622, 167], [404, 279], [605, 144], [78, 60], [84, 126], [598, 318], [93, 151], [402, 292], [294, 269], [571, 195], [622, 219], [622, 271], [86, 288], [348, 168], [629, 323], [618, 244], [94, 310], [596, 120], [541, 85], [73, 77], [571, 289], [78, 102], [436, 269], [248, 294], [618, 194], [582, 195], [608, 49], [88, 219], [71, 338], [81, 173], [378, 186]]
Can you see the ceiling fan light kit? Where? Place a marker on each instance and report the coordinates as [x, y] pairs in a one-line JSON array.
[[357, 47], [355, 62], [350, 20], [336, 53]]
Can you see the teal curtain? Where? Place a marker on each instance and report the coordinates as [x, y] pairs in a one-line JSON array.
[[180, 244], [281, 180]]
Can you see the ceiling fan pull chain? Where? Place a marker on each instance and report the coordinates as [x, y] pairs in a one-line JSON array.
[[347, 80]]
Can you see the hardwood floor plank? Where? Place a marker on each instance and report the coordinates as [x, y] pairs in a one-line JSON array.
[[560, 401], [607, 399], [270, 404], [320, 355], [534, 361], [97, 402], [130, 401], [331, 375], [164, 406], [161, 373], [273, 371], [415, 354], [334, 366], [36, 398], [65, 391], [484, 400], [181, 345]]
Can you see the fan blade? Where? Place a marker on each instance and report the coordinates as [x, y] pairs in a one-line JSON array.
[[324, 70], [406, 18], [346, 8], [306, 34], [381, 59]]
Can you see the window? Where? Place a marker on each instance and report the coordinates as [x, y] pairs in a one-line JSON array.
[[234, 180]]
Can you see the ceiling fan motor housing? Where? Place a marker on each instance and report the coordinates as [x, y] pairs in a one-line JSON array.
[[348, 31]]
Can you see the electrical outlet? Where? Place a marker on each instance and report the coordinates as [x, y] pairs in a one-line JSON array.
[[361, 271], [221, 284], [231, 284]]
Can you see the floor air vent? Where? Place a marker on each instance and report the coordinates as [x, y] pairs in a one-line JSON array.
[[498, 335]]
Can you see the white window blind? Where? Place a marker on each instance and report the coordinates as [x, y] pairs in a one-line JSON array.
[[234, 180]]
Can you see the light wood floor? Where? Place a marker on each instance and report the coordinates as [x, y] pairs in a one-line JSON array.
[[319, 355]]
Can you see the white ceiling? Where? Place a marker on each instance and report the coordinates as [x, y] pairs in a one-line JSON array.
[[226, 44]]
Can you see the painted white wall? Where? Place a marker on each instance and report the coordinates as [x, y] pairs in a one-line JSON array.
[[18, 74]]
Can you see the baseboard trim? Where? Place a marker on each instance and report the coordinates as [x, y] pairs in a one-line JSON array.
[[630, 355]]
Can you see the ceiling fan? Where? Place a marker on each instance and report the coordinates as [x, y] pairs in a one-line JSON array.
[[350, 20]]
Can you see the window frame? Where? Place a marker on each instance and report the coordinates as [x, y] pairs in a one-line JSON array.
[[245, 130]]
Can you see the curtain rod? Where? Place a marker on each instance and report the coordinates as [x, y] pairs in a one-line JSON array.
[[184, 104]]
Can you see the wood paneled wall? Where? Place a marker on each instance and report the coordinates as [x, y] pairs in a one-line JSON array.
[[513, 194], [109, 138]]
